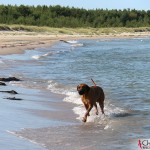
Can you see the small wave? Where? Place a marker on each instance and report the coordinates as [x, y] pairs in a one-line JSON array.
[[72, 96], [36, 57], [72, 41], [55, 87], [107, 120], [42, 56]]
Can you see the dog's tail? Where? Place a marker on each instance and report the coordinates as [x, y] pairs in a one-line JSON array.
[[93, 82]]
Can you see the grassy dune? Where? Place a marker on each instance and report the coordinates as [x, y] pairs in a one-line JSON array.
[[73, 31]]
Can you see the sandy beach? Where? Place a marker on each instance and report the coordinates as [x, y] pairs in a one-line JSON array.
[[15, 42]]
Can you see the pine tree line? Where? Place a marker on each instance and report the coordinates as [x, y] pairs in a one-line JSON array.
[[57, 16]]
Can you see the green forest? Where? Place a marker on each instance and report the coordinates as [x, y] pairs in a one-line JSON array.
[[57, 16]]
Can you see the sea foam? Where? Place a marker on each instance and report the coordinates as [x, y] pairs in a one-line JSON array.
[[73, 97], [72, 41], [42, 56]]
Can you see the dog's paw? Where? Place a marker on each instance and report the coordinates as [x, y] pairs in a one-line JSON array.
[[84, 119]]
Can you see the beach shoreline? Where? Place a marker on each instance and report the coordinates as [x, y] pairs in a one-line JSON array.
[[16, 42]]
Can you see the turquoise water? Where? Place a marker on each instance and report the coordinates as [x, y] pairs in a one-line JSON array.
[[120, 66]]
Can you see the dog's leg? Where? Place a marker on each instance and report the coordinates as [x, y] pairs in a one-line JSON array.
[[96, 112], [101, 104], [86, 107], [86, 114]]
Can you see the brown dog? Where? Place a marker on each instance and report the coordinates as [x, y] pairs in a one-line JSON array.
[[89, 96]]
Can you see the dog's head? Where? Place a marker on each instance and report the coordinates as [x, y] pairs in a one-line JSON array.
[[83, 89]]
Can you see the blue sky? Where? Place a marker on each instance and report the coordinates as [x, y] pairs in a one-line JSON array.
[[87, 4]]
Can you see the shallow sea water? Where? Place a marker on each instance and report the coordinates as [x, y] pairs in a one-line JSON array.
[[120, 66]]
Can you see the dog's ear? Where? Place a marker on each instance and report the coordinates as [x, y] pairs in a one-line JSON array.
[[87, 88]]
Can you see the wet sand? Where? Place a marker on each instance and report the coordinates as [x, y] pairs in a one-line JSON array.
[[14, 116], [37, 109]]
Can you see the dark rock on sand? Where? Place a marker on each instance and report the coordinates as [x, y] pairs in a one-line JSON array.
[[9, 79], [11, 92], [3, 84], [13, 98]]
